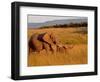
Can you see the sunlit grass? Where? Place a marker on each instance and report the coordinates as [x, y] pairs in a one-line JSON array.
[[76, 55]]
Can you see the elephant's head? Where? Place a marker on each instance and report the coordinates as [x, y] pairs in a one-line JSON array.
[[50, 38]]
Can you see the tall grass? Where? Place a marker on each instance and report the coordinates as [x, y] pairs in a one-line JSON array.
[[70, 36]]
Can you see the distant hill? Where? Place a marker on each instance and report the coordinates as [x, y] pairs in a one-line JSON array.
[[54, 22]]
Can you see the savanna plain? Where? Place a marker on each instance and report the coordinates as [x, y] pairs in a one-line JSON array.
[[69, 36]]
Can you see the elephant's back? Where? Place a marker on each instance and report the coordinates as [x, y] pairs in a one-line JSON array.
[[36, 43]]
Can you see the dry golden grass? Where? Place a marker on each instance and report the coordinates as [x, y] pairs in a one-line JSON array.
[[65, 35], [70, 36]]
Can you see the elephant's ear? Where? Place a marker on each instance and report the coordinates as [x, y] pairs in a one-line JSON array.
[[47, 39], [54, 38]]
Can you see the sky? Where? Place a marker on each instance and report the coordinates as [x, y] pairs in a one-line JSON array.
[[44, 18]]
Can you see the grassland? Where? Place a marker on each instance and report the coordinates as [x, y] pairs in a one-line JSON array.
[[70, 36]]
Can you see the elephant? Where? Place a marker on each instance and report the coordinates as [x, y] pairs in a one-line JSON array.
[[47, 47], [64, 48], [34, 44], [54, 39], [50, 38], [39, 42], [47, 42]]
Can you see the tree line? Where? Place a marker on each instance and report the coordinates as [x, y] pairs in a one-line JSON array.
[[82, 24]]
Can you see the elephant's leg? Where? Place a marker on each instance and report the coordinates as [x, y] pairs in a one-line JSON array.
[[66, 48], [61, 50], [46, 47], [42, 52], [30, 50], [54, 49]]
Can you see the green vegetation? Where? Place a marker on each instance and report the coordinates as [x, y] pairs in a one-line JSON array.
[[82, 24]]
